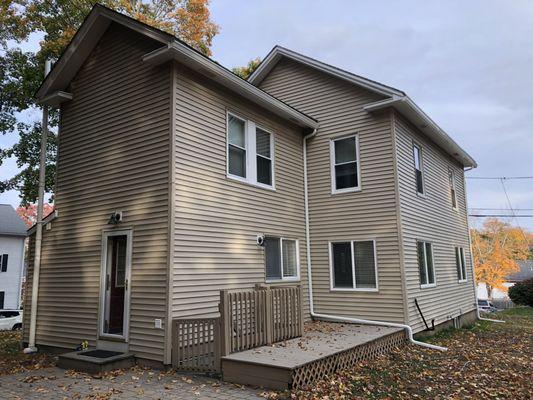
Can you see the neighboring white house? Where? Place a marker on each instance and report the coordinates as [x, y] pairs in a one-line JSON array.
[[525, 272], [12, 237]]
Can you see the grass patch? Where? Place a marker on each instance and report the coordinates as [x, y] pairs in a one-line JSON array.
[[484, 360]]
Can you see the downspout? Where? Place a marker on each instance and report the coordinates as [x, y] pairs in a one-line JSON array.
[[335, 318], [39, 227], [472, 257]]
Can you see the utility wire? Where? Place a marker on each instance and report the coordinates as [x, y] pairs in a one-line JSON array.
[[514, 214], [501, 216], [499, 209], [499, 177]]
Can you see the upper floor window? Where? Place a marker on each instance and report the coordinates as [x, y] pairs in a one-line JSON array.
[[353, 265], [460, 262], [425, 264], [417, 155], [250, 152], [345, 164], [3, 262], [451, 177], [281, 259]]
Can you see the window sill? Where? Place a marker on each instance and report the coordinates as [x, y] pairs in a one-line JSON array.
[[462, 281], [421, 195], [375, 290], [344, 191], [283, 280], [428, 286], [247, 182]]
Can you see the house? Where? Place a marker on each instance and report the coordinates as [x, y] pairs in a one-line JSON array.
[[177, 179], [12, 239], [501, 297]]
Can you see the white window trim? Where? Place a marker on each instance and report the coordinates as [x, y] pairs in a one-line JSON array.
[[354, 288], [427, 285], [462, 264], [454, 187], [332, 164], [285, 278], [421, 162], [251, 153]]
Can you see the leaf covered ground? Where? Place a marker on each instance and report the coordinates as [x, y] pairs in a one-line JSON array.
[[13, 361], [484, 361]]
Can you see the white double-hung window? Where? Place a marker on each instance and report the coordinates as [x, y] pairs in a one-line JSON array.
[[460, 263], [250, 152], [426, 265], [344, 154]]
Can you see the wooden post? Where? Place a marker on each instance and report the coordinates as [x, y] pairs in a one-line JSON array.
[[225, 323], [175, 344], [268, 316], [301, 310], [218, 344]]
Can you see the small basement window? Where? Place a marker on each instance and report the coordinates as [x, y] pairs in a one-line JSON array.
[[345, 164], [460, 263], [353, 265], [425, 264], [417, 155], [282, 261]]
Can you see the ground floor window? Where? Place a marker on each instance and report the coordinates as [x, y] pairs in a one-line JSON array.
[[425, 264], [2, 295], [353, 265], [460, 262], [281, 259]]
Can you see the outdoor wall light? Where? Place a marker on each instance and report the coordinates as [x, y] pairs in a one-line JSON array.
[[115, 218]]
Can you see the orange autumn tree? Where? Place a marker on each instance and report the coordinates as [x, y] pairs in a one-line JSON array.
[[28, 213], [496, 247]]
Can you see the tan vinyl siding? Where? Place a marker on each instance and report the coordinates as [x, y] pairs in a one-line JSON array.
[[114, 155], [368, 214], [217, 218], [431, 218]]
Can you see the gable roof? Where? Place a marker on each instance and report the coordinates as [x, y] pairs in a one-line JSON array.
[[397, 99], [53, 89], [10, 223]]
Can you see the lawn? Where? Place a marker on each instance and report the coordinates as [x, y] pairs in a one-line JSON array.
[[12, 360], [486, 360]]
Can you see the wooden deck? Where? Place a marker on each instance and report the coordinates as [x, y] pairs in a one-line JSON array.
[[323, 349]]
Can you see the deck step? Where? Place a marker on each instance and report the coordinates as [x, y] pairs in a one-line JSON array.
[[95, 361]]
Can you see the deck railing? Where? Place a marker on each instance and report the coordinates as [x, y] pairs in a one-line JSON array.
[[260, 317], [248, 319], [196, 344]]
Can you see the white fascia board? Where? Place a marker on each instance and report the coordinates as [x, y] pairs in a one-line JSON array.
[[408, 108], [278, 52], [203, 65]]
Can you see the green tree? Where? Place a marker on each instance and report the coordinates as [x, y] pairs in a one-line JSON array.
[[21, 72], [246, 71]]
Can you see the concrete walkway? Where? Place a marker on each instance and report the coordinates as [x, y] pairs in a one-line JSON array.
[[55, 383]]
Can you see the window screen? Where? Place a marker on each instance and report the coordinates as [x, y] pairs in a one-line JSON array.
[[273, 258], [342, 265], [236, 147], [417, 154], [281, 258], [3, 262], [425, 263], [365, 271], [264, 159], [345, 163], [354, 259]]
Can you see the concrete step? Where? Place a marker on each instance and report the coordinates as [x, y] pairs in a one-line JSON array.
[[95, 361]]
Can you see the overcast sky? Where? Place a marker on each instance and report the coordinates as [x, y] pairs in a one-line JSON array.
[[468, 64]]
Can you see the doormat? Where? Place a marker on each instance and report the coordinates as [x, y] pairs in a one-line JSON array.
[[100, 353]]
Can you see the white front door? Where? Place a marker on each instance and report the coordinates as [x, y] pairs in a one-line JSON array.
[[115, 284]]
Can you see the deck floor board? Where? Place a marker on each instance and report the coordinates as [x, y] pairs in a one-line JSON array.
[[320, 340]]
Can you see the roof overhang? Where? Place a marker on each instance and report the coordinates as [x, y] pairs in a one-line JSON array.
[[49, 218], [405, 106], [203, 65], [56, 98]]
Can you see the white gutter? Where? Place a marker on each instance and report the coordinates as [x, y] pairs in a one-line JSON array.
[[335, 318], [39, 233]]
